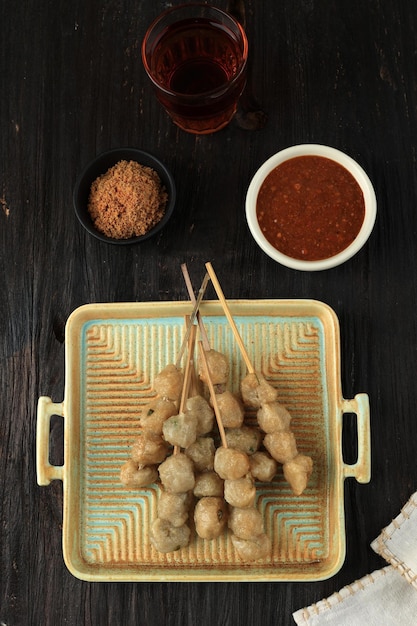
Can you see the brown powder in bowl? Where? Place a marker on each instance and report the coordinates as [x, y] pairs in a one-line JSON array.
[[127, 201]]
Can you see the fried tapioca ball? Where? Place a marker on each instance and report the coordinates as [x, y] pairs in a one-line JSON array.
[[256, 391], [230, 464], [198, 407], [201, 452], [263, 467], [208, 484], [156, 413], [168, 538], [177, 473], [252, 549], [281, 445], [297, 472], [246, 439], [273, 416], [149, 448], [230, 408], [245, 523], [134, 475], [210, 517], [240, 493], [218, 367], [168, 382], [180, 430], [174, 507]]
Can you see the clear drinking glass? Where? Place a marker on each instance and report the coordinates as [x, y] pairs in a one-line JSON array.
[[195, 56]]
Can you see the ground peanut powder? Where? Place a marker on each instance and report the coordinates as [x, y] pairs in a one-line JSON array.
[[127, 201]]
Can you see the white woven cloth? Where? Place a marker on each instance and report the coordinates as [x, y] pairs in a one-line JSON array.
[[387, 597]]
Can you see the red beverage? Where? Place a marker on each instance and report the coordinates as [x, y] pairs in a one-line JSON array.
[[197, 66]]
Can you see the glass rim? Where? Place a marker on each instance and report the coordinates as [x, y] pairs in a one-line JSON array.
[[206, 94]]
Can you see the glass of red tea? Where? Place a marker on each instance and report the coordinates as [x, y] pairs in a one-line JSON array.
[[195, 56]]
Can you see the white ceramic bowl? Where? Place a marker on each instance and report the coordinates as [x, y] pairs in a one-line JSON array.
[[311, 150]]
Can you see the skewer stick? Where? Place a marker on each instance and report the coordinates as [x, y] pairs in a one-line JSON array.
[[189, 285], [192, 317], [213, 395], [188, 368], [187, 374], [194, 383], [230, 319]]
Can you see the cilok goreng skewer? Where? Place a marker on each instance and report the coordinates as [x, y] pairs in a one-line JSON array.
[[273, 418], [176, 446]]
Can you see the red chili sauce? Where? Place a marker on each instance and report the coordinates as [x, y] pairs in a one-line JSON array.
[[310, 208]]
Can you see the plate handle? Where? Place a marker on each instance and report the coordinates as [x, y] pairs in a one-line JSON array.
[[44, 470], [361, 470]]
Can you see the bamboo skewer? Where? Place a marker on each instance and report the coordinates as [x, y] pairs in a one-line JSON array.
[[220, 295], [204, 338], [188, 366], [187, 372], [204, 346], [212, 394], [192, 317]]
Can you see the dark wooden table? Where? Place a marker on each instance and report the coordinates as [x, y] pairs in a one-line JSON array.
[[72, 85]]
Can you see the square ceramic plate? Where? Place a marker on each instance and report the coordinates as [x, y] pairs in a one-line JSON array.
[[113, 352]]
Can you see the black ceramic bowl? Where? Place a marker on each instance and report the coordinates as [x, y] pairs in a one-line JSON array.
[[99, 166]]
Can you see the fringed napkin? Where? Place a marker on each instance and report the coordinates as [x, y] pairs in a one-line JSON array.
[[387, 597]]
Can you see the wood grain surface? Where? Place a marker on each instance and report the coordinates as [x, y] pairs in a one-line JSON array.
[[72, 85]]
